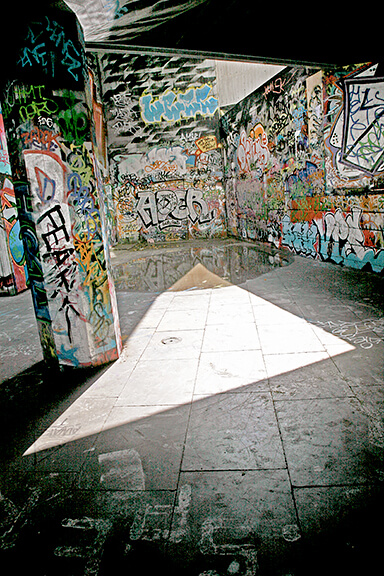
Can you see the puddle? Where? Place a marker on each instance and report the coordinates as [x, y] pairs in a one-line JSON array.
[[156, 269]]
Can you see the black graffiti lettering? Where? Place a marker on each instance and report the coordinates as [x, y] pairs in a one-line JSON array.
[[67, 306], [169, 207], [56, 225]]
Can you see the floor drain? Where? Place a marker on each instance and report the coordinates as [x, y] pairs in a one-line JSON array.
[[171, 340]]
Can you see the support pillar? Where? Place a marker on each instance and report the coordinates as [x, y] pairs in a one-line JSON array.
[[55, 153]]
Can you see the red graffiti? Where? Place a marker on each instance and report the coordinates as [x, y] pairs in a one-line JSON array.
[[41, 139], [275, 86]]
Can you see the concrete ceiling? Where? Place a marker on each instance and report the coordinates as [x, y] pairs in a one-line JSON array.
[[317, 34], [285, 33]]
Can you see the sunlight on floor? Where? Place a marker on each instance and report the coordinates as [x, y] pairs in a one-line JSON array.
[[192, 344]]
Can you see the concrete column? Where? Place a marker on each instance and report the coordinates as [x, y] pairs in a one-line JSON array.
[[52, 119]]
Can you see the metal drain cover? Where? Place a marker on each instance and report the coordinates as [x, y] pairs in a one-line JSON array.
[[171, 340]]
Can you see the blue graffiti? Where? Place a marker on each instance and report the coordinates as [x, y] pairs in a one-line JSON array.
[[301, 237], [172, 106], [69, 356], [37, 51], [16, 244], [301, 176], [81, 199]]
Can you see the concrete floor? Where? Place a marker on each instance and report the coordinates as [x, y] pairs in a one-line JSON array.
[[240, 433]]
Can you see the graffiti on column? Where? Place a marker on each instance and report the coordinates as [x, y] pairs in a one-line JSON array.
[[12, 259], [11, 224], [69, 237], [46, 36]]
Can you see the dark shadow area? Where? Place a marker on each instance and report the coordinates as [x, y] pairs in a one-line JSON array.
[[281, 477], [27, 399], [265, 508]]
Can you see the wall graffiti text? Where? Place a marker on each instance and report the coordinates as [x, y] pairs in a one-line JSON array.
[[172, 106]]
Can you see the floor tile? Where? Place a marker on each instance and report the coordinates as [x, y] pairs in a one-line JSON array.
[[230, 371], [146, 514], [183, 320], [190, 301], [163, 300], [111, 383], [340, 523], [271, 314], [174, 345], [230, 336], [229, 294], [331, 342], [325, 440], [228, 519], [151, 318], [320, 379], [283, 363], [257, 300], [365, 366], [156, 382], [151, 442], [291, 337], [136, 344], [228, 314], [85, 417], [318, 507], [233, 431]]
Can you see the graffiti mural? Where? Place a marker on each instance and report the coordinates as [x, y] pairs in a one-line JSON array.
[[13, 273], [43, 45], [164, 147], [11, 227], [304, 164], [353, 107], [173, 106]]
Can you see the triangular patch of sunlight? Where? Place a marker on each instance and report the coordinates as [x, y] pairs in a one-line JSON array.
[[192, 344], [199, 277]]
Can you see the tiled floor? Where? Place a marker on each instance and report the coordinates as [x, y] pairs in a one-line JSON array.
[[241, 432]]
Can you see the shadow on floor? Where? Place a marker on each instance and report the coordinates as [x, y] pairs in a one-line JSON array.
[[279, 477]]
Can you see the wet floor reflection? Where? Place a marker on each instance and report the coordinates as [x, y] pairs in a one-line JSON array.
[[157, 269]]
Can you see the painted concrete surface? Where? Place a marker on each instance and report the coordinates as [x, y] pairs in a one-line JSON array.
[[241, 432]]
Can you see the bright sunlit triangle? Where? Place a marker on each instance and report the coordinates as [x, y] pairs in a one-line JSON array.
[[202, 337]]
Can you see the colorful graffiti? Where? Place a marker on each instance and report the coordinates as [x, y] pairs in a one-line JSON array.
[[170, 210], [13, 273], [353, 108], [48, 47], [56, 133], [304, 165], [11, 227], [172, 106], [164, 147], [253, 151]]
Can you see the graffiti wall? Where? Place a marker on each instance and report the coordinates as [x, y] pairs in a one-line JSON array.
[[13, 272], [54, 127], [304, 164], [163, 145]]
